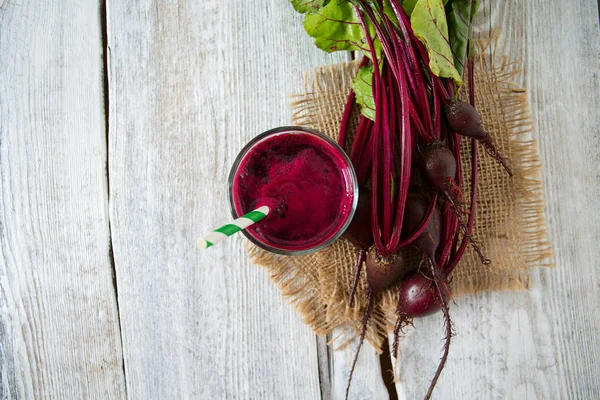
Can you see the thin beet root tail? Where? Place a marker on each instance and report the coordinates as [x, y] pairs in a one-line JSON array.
[[456, 192], [455, 196], [474, 244], [359, 263], [491, 148], [401, 322], [457, 202], [395, 345], [438, 280], [363, 332]]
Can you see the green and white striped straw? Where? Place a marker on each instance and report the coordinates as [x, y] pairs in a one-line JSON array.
[[225, 231]]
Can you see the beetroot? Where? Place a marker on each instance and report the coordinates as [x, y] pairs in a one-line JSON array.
[[383, 272], [464, 119], [418, 296], [437, 164]]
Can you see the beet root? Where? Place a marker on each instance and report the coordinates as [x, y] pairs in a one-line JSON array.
[[464, 119], [418, 296], [438, 166], [383, 271]]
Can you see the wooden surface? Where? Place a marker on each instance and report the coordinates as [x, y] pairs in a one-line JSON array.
[[188, 84], [59, 328]]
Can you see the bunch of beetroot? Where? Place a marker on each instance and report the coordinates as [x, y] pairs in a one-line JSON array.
[[408, 163]]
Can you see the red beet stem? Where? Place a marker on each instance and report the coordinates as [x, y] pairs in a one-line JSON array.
[[346, 119], [437, 116], [363, 169], [414, 116], [348, 111], [378, 90], [359, 140], [379, 31], [441, 88], [405, 167], [415, 66], [474, 181], [423, 226], [388, 161]]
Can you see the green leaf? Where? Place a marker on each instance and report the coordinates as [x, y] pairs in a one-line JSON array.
[[363, 89], [337, 27], [459, 21], [389, 11], [428, 21], [305, 6], [409, 6]]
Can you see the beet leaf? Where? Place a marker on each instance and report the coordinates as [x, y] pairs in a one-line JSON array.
[[428, 21]]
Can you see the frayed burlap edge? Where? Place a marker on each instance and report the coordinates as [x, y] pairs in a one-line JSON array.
[[529, 223]]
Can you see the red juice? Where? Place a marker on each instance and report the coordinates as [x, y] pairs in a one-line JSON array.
[[305, 180]]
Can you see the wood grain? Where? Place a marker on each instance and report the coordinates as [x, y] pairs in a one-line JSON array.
[[367, 382], [538, 344], [190, 84], [59, 332]]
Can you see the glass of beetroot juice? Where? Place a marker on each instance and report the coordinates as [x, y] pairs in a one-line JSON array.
[[305, 179]]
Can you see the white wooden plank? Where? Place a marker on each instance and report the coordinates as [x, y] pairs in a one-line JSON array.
[[59, 332], [325, 358], [190, 83], [539, 344], [367, 382]]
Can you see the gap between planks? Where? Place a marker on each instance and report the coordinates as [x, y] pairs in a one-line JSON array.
[[105, 86]]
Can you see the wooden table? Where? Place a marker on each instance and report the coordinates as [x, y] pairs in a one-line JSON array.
[[118, 125]]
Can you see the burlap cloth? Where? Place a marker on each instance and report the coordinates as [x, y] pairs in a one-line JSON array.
[[510, 222]]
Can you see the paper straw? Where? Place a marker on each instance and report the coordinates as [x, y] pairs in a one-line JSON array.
[[225, 231]]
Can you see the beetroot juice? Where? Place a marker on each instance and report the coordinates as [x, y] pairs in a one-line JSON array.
[[307, 182]]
